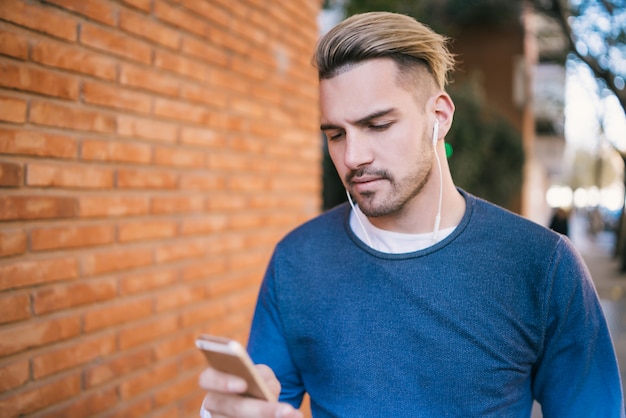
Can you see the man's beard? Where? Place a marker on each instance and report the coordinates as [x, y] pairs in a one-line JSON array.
[[398, 197]]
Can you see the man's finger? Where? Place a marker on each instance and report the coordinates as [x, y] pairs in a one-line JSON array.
[[214, 380]]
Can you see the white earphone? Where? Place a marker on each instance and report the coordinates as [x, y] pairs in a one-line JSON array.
[[438, 216]]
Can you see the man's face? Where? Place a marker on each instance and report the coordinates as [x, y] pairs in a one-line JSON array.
[[378, 136]]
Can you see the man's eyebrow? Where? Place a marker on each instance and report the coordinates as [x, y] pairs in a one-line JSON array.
[[367, 119], [362, 121]]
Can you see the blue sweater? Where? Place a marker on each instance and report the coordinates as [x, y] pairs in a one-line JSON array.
[[501, 312]]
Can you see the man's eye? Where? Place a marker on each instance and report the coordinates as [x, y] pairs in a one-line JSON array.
[[334, 135], [380, 127]]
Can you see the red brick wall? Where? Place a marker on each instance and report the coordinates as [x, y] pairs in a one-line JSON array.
[[151, 154]]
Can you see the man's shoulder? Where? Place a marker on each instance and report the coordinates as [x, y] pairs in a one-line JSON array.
[[320, 228]]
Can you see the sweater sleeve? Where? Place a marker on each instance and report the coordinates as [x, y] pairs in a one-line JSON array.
[[267, 343], [577, 374]]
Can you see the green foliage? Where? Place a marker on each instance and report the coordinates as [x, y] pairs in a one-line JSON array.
[[488, 154]]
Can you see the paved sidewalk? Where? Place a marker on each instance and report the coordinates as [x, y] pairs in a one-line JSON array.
[[598, 252]]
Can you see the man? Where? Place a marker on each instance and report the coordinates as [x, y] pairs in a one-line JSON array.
[[421, 300]]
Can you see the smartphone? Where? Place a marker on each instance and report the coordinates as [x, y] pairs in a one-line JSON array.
[[229, 356]]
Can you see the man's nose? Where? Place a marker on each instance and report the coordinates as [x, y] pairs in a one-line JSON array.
[[357, 151]]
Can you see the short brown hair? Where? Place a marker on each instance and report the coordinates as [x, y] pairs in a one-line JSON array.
[[383, 35]]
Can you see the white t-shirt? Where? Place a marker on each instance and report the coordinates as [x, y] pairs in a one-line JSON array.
[[392, 242]]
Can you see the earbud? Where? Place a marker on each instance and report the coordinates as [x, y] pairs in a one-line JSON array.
[[435, 132]]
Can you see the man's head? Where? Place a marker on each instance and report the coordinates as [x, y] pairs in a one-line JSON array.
[[410, 44], [382, 78]]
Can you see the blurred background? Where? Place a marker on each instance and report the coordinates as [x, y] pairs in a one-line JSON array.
[[152, 152]]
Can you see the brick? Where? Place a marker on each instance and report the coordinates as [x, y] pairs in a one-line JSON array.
[[223, 286], [209, 11], [175, 298], [12, 242], [226, 202], [255, 35], [17, 338], [108, 206], [118, 312], [205, 95], [37, 207], [13, 44], [247, 183], [13, 109], [201, 314], [117, 366], [144, 282], [205, 181], [40, 18], [11, 174], [116, 151], [179, 64], [181, 18], [72, 354], [151, 129], [72, 236], [145, 230], [229, 42], [62, 116], [145, 27], [205, 225], [177, 204], [174, 347], [40, 396], [14, 375], [146, 179], [100, 10], [31, 142], [179, 388], [109, 95], [62, 175], [189, 405], [35, 80], [253, 146], [159, 374], [180, 110], [30, 272], [144, 5], [86, 405], [165, 411], [116, 260], [178, 157], [134, 408], [14, 306], [230, 82], [203, 270], [205, 51], [254, 72], [115, 43], [147, 331], [180, 251], [70, 58], [64, 296], [147, 79], [203, 137]]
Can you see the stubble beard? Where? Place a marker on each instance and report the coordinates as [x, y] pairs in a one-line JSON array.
[[394, 200]]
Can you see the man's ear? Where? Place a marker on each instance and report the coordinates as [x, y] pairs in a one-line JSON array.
[[443, 107]]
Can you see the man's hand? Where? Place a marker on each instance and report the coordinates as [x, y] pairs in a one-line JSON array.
[[223, 398]]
